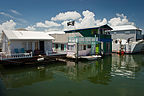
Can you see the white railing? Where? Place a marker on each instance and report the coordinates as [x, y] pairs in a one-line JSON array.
[[82, 39], [4, 56]]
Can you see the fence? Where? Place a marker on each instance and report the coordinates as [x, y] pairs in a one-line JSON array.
[[4, 56]]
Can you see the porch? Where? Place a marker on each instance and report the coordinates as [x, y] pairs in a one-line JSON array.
[[5, 56]]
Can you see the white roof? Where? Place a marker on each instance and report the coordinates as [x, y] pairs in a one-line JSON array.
[[124, 27], [27, 35], [56, 32]]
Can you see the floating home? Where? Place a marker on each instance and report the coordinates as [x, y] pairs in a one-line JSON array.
[[83, 42], [127, 39], [102, 39], [24, 44]]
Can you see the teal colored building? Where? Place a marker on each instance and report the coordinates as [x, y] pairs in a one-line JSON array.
[[104, 41]]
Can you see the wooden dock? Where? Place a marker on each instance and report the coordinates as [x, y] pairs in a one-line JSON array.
[[33, 59]]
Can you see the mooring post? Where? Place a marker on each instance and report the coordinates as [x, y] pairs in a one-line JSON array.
[[77, 51]]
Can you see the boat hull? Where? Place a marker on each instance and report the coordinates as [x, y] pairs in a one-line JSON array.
[[129, 48]]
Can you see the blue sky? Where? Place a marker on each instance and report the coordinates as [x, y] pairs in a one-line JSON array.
[[29, 12]]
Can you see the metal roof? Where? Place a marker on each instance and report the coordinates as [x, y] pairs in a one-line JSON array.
[[124, 27], [27, 35], [104, 27]]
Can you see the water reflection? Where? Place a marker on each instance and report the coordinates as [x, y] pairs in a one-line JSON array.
[[2, 89], [126, 65], [96, 72]]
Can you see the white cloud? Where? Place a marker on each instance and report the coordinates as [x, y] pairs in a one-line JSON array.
[[47, 24], [87, 19], [31, 28], [15, 12], [121, 19], [101, 22], [70, 15], [8, 25], [7, 15]]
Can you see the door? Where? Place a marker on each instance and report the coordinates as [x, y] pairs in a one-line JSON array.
[[41, 44], [97, 48]]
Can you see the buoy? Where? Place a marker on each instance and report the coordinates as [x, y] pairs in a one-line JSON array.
[[122, 52]]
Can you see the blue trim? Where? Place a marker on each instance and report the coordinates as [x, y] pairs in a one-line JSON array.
[[105, 40], [104, 26]]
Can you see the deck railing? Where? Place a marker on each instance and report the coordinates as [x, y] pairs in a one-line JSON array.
[[82, 39], [5, 56]]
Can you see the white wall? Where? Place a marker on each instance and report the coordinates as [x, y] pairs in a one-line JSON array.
[[20, 44]]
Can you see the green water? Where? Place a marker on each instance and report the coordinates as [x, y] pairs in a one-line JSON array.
[[111, 76]]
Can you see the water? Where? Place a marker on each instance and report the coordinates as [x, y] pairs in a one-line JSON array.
[[111, 76]]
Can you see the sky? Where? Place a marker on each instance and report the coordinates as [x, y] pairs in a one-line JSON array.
[[50, 15]]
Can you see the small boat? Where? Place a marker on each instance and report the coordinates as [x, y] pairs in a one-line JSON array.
[[93, 57], [40, 59]]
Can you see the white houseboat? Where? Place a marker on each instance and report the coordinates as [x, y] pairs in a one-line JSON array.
[[127, 39], [24, 44]]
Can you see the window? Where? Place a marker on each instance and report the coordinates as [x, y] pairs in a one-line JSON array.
[[29, 45], [127, 32], [56, 46], [80, 47], [89, 46], [24, 45], [62, 46], [116, 41], [84, 47], [70, 47]]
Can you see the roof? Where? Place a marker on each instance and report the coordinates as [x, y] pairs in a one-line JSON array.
[[124, 27], [56, 32], [104, 27], [63, 38], [27, 35]]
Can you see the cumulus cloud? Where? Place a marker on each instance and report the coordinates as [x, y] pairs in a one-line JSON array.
[[101, 22], [88, 20], [70, 15], [8, 25], [47, 24], [84, 20], [121, 19], [15, 12]]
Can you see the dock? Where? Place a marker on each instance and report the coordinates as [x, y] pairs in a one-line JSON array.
[[93, 57]]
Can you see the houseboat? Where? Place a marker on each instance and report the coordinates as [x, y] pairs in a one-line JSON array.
[[127, 39], [94, 40], [83, 42], [24, 44]]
